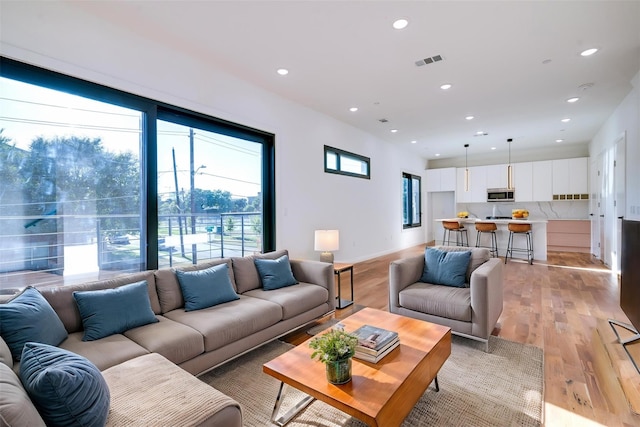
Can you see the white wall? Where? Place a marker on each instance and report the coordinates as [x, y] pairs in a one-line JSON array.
[[625, 119], [63, 38]]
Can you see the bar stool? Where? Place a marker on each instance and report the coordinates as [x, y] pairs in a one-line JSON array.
[[487, 227], [522, 229], [456, 227]]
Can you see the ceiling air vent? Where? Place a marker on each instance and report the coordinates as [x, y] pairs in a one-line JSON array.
[[383, 120], [429, 60]]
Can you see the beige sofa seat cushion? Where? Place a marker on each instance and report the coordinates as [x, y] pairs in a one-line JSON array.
[[61, 297], [169, 293], [105, 352], [151, 391], [437, 300], [294, 299], [16, 409], [225, 323], [173, 340], [246, 273]]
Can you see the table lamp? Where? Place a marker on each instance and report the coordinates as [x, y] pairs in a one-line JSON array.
[[327, 241]]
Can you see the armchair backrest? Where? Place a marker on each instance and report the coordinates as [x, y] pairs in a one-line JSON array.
[[478, 257]]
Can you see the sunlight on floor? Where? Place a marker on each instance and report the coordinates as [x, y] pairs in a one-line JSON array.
[[555, 416]]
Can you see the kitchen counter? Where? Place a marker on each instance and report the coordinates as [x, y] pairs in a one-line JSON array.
[[538, 232]]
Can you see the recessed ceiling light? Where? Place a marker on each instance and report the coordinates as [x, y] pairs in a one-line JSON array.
[[589, 52], [445, 86], [283, 71], [559, 140], [493, 148], [394, 130], [414, 141], [353, 109], [480, 132], [565, 120], [399, 24], [469, 118], [572, 100], [437, 154]]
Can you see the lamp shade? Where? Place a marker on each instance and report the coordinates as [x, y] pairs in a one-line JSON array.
[[327, 240]]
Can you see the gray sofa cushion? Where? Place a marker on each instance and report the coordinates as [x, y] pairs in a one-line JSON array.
[[169, 292], [61, 297], [246, 273], [438, 300], [173, 340], [105, 352], [294, 299], [231, 321], [16, 408]]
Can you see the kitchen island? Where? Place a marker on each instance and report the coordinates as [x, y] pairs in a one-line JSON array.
[[538, 232]]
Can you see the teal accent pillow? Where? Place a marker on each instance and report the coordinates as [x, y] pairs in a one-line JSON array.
[[113, 311], [275, 273], [29, 317], [206, 288], [66, 388], [445, 268]]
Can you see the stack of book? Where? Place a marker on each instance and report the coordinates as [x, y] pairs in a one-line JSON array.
[[374, 343]]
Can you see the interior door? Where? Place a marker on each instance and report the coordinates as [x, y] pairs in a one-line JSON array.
[[619, 185], [594, 202]]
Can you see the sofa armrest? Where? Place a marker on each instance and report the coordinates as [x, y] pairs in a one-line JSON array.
[[486, 297], [317, 273], [402, 273]]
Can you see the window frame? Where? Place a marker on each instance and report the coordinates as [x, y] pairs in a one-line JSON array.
[[151, 111], [411, 208], [342, 153]]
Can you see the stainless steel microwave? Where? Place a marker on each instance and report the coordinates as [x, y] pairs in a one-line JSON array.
[[501, 195]]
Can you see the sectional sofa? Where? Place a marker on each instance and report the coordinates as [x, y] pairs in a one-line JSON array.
[[151, 370]]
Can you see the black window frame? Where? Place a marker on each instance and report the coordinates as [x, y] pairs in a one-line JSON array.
[[411, 208], [151, 110], [342, 153]]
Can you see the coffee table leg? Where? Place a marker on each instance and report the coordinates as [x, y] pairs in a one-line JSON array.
[[283, 420], [436, 383]]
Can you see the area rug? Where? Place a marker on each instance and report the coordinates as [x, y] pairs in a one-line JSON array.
[[501, 388]]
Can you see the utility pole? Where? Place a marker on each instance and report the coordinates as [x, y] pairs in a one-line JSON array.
[[175, 179], [194, 246]]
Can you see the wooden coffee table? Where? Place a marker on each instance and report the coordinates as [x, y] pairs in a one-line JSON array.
[[379, 394]]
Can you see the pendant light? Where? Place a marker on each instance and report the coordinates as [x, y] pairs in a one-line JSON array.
[[466, 167], [509, 168]]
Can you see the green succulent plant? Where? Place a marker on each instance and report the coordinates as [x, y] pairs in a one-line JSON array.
[[333, 345]]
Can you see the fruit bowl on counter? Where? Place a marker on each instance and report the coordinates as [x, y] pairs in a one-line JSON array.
[[519, 214], [463, 214]]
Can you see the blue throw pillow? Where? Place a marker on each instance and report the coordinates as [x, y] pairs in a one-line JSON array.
[[206, 288], [113, 311], [29, 317], [445, 268], [275, 273], [66, 388]]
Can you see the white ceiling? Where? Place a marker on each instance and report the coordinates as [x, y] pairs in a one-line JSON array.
[[345, 53]]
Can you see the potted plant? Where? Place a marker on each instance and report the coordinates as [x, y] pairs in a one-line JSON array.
[[335, 349]]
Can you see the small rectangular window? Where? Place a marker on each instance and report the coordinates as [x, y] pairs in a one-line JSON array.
[[411, 202], [344, 163]]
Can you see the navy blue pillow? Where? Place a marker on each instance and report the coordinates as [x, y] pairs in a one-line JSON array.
[[206, 288], [275, 273], [445, 267], [66, 388], [113, 311], [29, 317]]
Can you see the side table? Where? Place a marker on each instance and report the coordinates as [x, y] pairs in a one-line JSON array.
[[338, 269]]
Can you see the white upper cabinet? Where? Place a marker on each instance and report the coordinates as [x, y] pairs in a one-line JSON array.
[[571, 176], [462, 196], [441, 180], [542, 180], [497, 176], [523, 178], [477, 185]]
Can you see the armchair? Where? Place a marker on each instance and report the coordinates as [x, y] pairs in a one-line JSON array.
[[471, 311]]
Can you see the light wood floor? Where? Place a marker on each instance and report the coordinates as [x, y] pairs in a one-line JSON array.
[[555, 305]]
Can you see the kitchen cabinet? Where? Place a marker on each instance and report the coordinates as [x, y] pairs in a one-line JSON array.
[[570, 178], [477, 185], [497, 176], [523, 181], [441, 180], [542, 181], [462, 196]]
